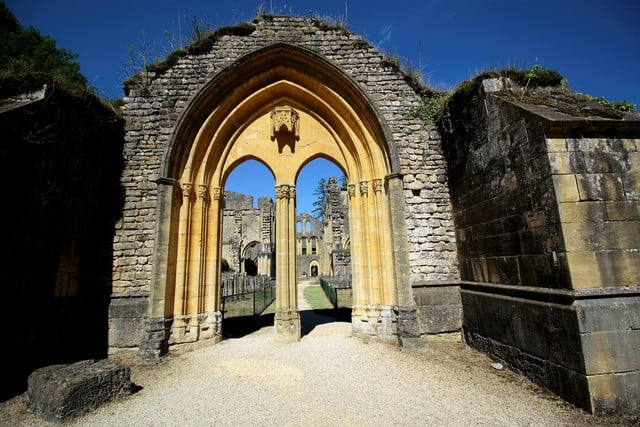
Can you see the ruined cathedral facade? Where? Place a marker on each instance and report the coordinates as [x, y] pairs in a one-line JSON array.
[[322, 247], [516, 226]]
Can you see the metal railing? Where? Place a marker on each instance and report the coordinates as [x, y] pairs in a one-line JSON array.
[[246, 295], [337, 291]]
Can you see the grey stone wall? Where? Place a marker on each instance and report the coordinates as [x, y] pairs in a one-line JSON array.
[[156, 100], [529, 204], [504, 202]]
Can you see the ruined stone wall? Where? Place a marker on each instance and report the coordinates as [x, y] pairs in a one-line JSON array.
[[308, 229], [504, 202], [243, 225], [598, 191], [156, 100], [61, 157], [546, 211]]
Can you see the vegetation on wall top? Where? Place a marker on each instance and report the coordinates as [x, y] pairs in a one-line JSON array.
[[28, 60], [202, 40]]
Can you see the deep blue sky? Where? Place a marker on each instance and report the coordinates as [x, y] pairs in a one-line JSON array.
[[595, 44]]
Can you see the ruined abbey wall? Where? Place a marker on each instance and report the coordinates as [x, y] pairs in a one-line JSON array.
[[521, 226], [155, 102], [547, 214]]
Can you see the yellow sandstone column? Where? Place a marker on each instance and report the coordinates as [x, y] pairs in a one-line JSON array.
[[287, 318], [182, 261], [357, 278]]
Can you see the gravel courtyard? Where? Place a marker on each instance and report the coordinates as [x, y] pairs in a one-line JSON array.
[[327, 379]]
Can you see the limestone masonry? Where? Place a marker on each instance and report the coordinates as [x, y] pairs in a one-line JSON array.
[[512, 223]]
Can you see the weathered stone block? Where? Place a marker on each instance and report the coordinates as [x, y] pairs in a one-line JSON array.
[[566, 188], [59, 392], [614, 315], [611, 351], [608, 394], [600, 186], [622, 210], [586, 211]]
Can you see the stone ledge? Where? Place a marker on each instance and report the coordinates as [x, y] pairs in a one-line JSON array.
[[561, 296]]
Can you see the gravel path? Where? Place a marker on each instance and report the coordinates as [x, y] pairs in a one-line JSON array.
[[326, 379]]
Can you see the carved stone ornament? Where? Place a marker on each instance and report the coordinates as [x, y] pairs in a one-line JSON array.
[[352, 190], [364, 187], [186, 189], [287, 118], [202, 192], [282, 192], [377, 185], [217, 193]]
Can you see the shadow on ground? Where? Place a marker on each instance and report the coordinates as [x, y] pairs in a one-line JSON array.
[[238, 327]]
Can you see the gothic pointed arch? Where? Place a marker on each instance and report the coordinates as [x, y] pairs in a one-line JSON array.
[[284, 106], [260, 69]]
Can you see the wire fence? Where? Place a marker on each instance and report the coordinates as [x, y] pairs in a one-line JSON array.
[[338, 291], [246, 295]]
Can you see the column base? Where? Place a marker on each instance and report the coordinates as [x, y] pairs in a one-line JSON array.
[[287, 326], [377, 323], [210, 326]]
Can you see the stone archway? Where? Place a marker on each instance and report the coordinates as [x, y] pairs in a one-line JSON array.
[[284, 106]]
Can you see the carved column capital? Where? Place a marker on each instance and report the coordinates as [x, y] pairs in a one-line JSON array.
[[186, 189], [202, 192], [292, 191], [364, 188], [377, 185], [351, 189], [282, 191], [217, 193]]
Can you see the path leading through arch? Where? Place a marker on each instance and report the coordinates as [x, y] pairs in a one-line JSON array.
[[327, 378]]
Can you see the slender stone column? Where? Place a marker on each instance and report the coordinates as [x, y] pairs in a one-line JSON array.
[[182, 267], [359, 295], [212, 296], [370, 268], [287, 318], [200, 244]]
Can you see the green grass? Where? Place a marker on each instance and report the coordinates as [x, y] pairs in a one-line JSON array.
[[315, 297]]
